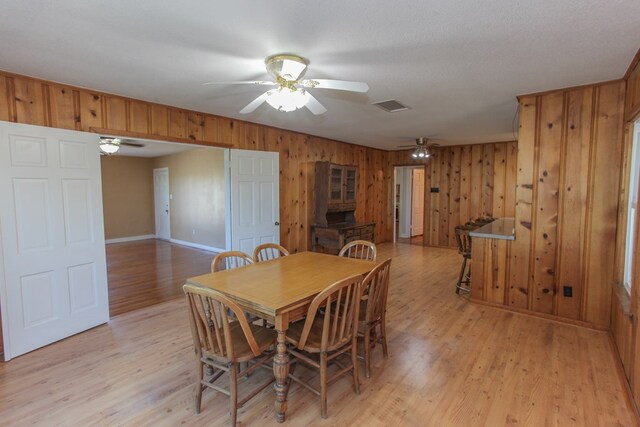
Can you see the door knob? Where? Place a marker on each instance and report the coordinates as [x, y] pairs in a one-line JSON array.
[[277, 223]]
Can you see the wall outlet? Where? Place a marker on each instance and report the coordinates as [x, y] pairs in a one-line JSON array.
[[567, 291], [193, 231]]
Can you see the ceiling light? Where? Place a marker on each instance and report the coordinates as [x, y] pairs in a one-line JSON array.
[[420, 152], [289, 67], [109, 145], [287, 99]]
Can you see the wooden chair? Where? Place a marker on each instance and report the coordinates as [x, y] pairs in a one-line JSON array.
[[359, 249], [221, 343], [229, 260], [267, 251], [329, 333], [464, 248], [373, 309]]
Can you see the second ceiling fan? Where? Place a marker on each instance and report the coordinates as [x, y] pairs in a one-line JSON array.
[[292, 92]]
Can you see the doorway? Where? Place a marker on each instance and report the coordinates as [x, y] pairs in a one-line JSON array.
[[409, 189], [161, 202]]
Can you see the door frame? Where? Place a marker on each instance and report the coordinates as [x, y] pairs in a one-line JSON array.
[[157, 212], [427, 192]]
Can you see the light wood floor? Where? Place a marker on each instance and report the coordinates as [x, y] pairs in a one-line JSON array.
[[147, 272], [451, 363]]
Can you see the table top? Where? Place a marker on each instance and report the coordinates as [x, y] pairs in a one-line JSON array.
[[272, 287], [501, 228]]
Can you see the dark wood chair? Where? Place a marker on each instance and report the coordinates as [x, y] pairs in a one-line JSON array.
[[329, 333], [463, 241], [222, 342], [359, 249], [229, 260], [373, 309], [267, 251]]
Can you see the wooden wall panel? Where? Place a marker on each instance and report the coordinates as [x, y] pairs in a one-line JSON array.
[[602, 203], [29, 102], [569, 157], [138, 117], [632, 98], [510, 179], [5, 114], [545, 215], [116, 113], [519, 277], [32, 101], [574, 184], [160, 120], [177, 123], [465, 177], [91, 115], [63, 103], [454, 195]]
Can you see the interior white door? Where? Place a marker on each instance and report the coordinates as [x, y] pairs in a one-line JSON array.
[[54, 281], [417, 202], [162, 203], [255, 199]]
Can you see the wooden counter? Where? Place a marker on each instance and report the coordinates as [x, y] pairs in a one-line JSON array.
[[490, 249]]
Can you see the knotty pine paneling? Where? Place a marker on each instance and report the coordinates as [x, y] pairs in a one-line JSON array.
[[31, 101], [632, 98], [566, 205], [473, 181]]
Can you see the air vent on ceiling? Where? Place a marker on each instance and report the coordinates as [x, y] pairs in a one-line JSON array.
[[391, 106]]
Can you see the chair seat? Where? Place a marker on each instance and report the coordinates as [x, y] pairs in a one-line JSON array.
[[315, 336], [241, 350]]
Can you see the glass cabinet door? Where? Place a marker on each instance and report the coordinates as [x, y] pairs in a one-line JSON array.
[[335, 184], [350, 184]]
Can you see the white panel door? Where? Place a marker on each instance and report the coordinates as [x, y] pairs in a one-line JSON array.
[[255, 199], [53, 274], [162, 204], [417, 202]]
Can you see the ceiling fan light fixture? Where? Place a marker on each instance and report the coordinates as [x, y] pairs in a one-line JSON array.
[[286, 99], [289, 67], [109, 145], [420, 152]]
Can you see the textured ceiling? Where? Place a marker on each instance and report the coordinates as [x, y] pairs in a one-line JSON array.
[[458, 65]]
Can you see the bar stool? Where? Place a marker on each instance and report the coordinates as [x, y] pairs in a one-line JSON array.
[[464, 248]]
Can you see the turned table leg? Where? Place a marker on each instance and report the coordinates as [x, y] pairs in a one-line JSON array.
[[281, 372]]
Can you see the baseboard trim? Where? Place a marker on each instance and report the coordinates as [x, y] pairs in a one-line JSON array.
[[631, 401], [130, 238], [196, 245], [546, 316]]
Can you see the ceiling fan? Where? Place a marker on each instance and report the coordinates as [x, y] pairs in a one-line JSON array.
[[291, 92], [109, 145], [422, 146]]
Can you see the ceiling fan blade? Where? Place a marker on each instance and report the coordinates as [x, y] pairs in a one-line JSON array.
[[335, 84], [407, 146], [247, 82], [314, 106], [132, 144], [254, 104]]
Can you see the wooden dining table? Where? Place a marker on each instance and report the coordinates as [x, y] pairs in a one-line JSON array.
[[280, 290]]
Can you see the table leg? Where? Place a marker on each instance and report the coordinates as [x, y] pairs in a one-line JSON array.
[[281, 372]]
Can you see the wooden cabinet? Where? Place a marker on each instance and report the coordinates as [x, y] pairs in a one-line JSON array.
[[336, 191], [332, 238]]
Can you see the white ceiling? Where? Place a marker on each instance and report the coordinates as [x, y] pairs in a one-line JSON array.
[[458, 65]]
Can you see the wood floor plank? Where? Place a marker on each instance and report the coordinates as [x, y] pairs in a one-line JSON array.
[[452, 363], [147, 272]]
